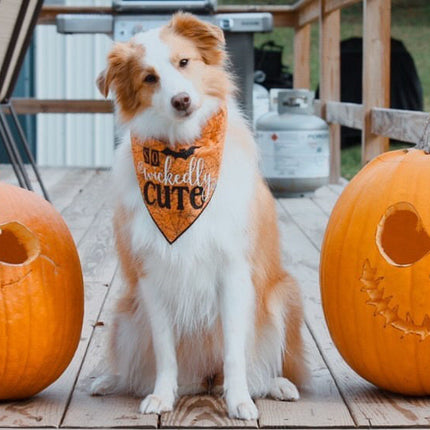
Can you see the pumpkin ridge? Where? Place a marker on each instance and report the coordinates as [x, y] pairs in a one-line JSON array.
[[370, 283]]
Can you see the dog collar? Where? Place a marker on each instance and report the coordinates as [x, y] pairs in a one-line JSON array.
[[177, 186]]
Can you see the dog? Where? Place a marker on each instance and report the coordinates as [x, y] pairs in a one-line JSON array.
[[206, 306]]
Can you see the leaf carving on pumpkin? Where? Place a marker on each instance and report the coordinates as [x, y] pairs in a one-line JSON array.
[[371, 285]]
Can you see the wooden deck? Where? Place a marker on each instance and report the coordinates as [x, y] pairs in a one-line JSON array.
[[337, 397]]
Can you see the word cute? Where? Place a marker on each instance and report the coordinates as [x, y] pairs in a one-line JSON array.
[[172, 188]]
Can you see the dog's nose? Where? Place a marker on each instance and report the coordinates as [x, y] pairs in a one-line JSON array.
[[181, 101]]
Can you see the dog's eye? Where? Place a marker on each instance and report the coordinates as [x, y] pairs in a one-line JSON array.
[[183, 63], [151, 79]]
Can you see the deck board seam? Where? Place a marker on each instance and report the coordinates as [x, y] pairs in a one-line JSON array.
[[80, 241], [90, 224], [319, 207], [298, 225], [79, 190], [308, 325], [86, 349]]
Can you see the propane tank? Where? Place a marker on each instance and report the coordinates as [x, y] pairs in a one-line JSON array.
[[294, 145]]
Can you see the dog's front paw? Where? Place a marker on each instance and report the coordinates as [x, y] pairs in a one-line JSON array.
[[153, 404], [104, 384], [243, 410], [283, 389]]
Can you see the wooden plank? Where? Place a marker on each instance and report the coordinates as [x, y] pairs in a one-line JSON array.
[[338, 188], [302, 54], [63, 184], [369, 406], [202, 412], [376, 72], [84, 207], [332, 5], [404, 125], [330, 79], [310, 11], [348, 114], [320, 405], [6, 173], [300, 4], [325, 198], [97, 251], [224, 428], [50, 175], [49, 13], [103, 411], [342, 181], [34, 106], [64, 191], [308, 216]]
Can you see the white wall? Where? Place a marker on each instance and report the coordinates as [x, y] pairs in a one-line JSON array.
[[67, 67]]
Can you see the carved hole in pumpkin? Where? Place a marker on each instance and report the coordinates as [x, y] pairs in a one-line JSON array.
[[401, 237], [18, 245]]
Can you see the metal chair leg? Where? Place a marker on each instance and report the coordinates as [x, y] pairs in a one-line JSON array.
[[15, 151], [27, 150], [11, 156]]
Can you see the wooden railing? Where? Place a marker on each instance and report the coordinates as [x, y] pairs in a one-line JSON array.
[[377, 122]]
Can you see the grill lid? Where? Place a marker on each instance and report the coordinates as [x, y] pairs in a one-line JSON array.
[[165, 6]]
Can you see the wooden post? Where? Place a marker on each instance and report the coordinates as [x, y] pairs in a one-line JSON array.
[[376, 72], [302, 56], [330, 78]]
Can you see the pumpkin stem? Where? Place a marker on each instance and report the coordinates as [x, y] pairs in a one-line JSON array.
[[424, 142], [18, 245]]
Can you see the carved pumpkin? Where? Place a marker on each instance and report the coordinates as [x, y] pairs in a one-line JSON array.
[[41, 294], [375, 272]]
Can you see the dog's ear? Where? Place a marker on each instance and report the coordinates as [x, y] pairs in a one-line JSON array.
[[208, 38], [123, 59]]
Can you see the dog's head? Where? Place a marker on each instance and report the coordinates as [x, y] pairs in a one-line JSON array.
[[168, 74]]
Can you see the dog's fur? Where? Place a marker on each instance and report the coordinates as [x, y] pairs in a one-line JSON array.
[[214, 310]]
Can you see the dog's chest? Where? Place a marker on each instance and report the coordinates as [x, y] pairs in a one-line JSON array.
[[185, 275], [187, 289]]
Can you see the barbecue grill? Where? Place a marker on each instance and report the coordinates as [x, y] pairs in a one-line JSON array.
[[134, 16]]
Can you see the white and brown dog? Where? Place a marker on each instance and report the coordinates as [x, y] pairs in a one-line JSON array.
[[206, 300]]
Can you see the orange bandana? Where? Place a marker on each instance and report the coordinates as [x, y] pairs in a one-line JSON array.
[[177, 186]]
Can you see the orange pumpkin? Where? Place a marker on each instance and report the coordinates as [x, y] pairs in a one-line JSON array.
[[375, 272], [41, 294]]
